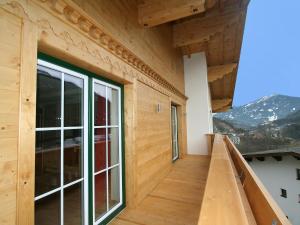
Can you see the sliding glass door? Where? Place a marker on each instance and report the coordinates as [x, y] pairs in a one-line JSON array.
[[77, 117], [174, 123], [106, 149], [61, 121]]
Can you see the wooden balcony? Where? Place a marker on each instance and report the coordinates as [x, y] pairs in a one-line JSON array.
[[219, 189], [175, 200]]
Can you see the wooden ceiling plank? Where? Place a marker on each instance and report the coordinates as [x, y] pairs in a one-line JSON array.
[[218, 72], [155, 12], [224, 109], [201, 29], [220, 104]]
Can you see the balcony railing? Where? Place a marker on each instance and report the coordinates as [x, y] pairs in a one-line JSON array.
[[234, 195]]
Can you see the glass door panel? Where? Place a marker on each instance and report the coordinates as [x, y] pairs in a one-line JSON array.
[[112, 106], [114, 187], [99, 149], [73, 155], [47, 210], [73, 101], [60, 145], [175, 149], [107, 149], [113, 146], [99, 105], [73, 204], [47, 161], [100, 181], [62, 142], [48, 97]]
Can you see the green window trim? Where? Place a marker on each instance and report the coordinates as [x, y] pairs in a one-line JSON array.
[[89, 74]]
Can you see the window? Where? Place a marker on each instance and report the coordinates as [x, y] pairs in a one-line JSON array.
[[298, 174], [174, 121], [69, 130], [106, 149], [283, 193], [298, 198]]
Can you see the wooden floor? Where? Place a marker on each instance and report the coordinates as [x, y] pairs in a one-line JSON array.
[[176, 199]]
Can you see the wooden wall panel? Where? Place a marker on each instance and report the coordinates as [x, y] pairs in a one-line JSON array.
[[27, 118], [153, 45], [148, 137], [130, 109], [10, 44], [153, 139]]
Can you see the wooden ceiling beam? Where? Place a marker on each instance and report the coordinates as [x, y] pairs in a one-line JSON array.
[[155, 12], [218, 72], [224, 109], [201, 29], [221, 104]]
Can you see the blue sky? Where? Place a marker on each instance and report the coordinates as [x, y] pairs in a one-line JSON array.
[[270, 57]]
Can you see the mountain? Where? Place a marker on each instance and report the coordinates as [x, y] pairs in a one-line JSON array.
[[262, 111], [269, 123]]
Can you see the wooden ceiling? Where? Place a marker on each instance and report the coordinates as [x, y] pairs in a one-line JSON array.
[[211, 26]]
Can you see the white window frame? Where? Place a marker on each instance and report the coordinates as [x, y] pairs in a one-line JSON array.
[[119, 126], [175, 141], [84, 128]]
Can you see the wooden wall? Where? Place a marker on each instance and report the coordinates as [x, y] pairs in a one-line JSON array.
[[29, 26], [153, 139], [18, 49], [10, 44], [153, 45]]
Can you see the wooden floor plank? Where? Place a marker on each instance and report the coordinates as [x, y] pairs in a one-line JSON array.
[[118, 221], [176, 199]]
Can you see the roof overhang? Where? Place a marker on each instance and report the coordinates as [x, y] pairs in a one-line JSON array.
[[212, 26], [218, 33]]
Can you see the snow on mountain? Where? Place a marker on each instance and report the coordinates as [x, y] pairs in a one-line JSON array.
[[262, 111]]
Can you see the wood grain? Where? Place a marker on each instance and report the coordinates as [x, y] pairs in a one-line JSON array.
[[10, 44], [264, 208], [26, 144], [222, 202], [153, 139], [130, 101], [176, 199], [156, 12], [153, 46]]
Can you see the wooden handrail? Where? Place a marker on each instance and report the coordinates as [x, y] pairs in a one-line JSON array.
[[264, 208], [222, 202]]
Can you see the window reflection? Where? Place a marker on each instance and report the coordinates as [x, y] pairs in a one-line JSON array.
[[113, 187], [73, 101], [73, 201], [47, 210], [48, 107], [52, 197], [100, 195], [73, 155], [112, 106], [113, 146], [47, 161], [100, 149], [99, 105]]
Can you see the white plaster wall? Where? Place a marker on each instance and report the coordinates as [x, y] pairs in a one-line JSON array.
[[198, 108], [210, 114], [281, 174]]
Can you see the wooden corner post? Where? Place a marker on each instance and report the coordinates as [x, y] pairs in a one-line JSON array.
[[27, 111]]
